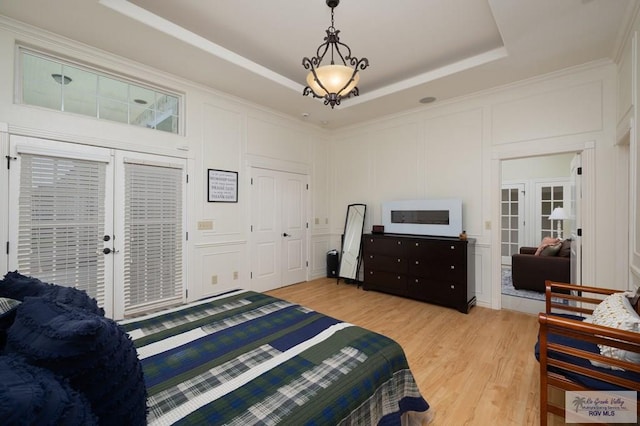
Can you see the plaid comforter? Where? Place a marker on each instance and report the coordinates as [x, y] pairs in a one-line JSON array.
[[246, 358]]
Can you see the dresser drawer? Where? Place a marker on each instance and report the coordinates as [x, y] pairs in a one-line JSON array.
[[385, 281], [385, 263], [445, 293], [444, 270], [384, 245], [437, 251]]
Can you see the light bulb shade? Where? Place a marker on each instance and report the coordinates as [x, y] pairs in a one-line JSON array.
[[558, 214], [338, 79]]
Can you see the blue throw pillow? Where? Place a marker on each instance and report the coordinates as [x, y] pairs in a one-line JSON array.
[[18, 286], [91, 351], [34, 396]]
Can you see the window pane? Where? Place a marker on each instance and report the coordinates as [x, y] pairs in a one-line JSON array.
[[169, 124], [142, 96], [113, 89], [546, 193], [54, 84], [114, 111], [80, 93], [167, 103], [38, 85], [141, 116], [557, 192]]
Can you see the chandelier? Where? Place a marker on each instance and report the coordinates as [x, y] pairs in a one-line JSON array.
[[333, 82]]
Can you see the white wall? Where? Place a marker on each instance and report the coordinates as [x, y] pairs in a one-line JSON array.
[[548, 166], [454, 149], [221, 133], [628, 159], [448, 149]]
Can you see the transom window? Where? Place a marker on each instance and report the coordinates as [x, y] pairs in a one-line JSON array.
[[49, 82]]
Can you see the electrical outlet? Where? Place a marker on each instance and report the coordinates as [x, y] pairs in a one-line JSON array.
[[214, 279], [235, 275]]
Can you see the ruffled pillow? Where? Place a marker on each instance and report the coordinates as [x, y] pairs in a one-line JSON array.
[[18, 286], [91, 351], [615, 311], [34, 396]]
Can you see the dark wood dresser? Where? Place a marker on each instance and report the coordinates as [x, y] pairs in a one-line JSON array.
[[432, 269]]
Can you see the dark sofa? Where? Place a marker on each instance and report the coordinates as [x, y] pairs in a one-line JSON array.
[[529, 271]]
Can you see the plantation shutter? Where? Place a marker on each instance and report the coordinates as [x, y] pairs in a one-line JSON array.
[[61, 222], [152, 234]]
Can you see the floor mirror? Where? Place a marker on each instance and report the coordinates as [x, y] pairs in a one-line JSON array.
[[352, 243]]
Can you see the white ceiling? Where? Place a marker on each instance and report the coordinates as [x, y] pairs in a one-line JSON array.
[[253, 49]]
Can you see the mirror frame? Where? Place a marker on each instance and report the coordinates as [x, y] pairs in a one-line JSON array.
[[351, 250]]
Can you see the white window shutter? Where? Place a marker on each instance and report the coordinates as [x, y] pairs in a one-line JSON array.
[[61, 222], [153, 235]]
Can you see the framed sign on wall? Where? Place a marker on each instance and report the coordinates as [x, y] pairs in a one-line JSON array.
[[223, 186]]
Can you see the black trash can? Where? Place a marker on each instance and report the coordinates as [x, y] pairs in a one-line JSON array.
[[332, 264]]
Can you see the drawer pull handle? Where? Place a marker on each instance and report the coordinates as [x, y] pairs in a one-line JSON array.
[[417, 262], [417, 244], [453, 286], [398, 276], [453, 267], [453, 247], [370, 256], [417, 280], [399, 243], [399, 260]]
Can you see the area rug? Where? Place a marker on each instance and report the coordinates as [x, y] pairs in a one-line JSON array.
[[508, 289]]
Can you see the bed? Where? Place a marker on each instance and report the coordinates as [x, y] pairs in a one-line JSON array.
[[239, 358], [248, 358]]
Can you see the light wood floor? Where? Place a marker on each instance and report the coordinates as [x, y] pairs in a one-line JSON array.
[[473, 369]]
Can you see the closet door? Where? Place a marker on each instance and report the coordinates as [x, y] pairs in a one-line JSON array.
[[278, 229], [61, 199]]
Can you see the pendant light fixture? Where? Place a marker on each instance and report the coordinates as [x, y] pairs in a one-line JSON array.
[[333, 81]]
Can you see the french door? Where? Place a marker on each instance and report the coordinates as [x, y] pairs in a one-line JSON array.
[[279, 229], [512, 220], [105, 221]]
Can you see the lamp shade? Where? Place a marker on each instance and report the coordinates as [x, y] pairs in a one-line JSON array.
[[334, 78], [558, 214]]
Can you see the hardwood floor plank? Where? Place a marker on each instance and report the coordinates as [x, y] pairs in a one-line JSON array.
[[473, 369]]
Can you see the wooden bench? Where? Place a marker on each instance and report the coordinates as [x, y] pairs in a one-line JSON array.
[[567, 344]]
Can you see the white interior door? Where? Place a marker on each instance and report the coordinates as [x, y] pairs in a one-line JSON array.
[[575, 222], [279, 229], [107, 222]]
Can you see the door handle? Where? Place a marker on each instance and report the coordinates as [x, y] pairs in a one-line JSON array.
[[107, 250], [286, 235]]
